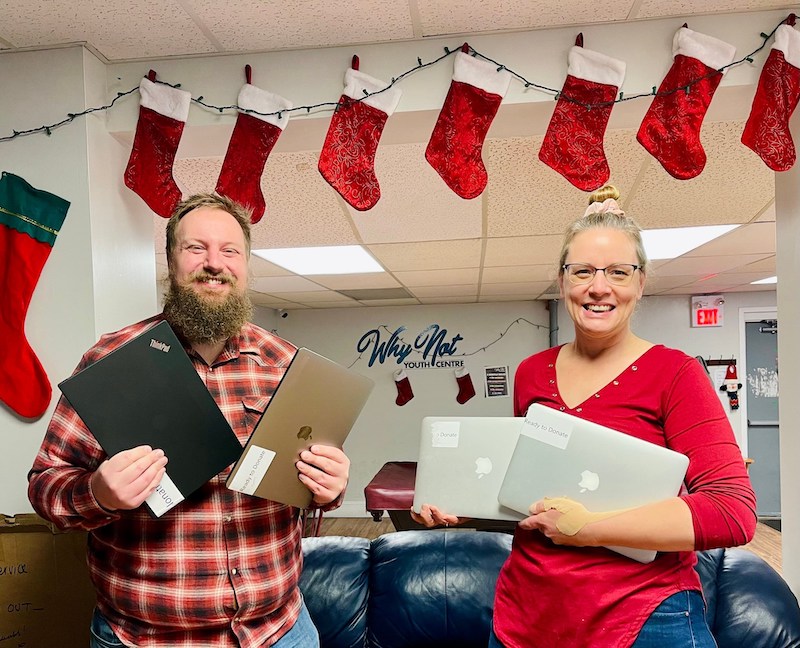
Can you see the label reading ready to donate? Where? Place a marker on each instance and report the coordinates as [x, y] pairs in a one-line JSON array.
[[444, 434], [251, 472], [165, 497], [554, 433]]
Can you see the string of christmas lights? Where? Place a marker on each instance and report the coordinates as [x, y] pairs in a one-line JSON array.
[[557, 94]]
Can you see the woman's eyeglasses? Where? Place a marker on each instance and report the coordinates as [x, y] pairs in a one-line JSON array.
[[619, 274]]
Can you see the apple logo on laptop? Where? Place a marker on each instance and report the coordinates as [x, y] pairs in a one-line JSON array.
[[483, 466], [589, 481], [304, 433]]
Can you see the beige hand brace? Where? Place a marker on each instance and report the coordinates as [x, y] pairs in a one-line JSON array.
[[575, 514]]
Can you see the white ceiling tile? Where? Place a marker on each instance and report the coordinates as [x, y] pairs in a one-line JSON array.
[[705, 266], [523, 250], [467, 290], [118, 29], [431, 255], [263, 268], [415, 203], [272, 285], [767, 265], [438, 277], [356, 281], [657, 8], [247, 25], [312, 296], [440, 17], [717, 196], [511, 274], [756, 238]]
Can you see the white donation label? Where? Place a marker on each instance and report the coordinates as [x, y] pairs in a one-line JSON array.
[[251, 472], [444, 434], [556, 434], [165, 496]]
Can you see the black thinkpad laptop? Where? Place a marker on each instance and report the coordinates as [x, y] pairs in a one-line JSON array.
[[147, 392]]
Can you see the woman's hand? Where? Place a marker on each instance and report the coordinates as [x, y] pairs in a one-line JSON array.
[[430, 516], [562, 520]]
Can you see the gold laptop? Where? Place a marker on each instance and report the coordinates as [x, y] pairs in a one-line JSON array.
[[316, 402]]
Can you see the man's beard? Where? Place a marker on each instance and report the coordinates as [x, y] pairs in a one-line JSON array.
[[202, 319]]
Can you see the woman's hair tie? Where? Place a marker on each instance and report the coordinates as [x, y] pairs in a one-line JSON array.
[[608, 206]]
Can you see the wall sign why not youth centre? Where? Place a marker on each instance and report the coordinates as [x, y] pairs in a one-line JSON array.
[[434, 343]]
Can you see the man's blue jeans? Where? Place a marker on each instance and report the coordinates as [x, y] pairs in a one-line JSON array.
[[302, 635]]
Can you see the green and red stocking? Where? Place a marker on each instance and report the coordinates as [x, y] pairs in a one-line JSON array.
[[29, 223]]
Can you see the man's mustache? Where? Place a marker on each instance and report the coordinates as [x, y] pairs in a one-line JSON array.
[[202, 275]]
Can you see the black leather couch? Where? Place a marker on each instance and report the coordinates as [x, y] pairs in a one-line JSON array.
[[434, 589]]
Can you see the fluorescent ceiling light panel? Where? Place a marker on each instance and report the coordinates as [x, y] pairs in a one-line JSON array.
[[325, 260], [768, 280], [674, 241]]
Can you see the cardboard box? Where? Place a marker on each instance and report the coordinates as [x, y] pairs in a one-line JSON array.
[[46, 597]]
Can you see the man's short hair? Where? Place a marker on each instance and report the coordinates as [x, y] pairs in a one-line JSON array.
[[239, 212]]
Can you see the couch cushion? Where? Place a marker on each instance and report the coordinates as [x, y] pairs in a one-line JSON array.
[[753, 604], [434, 588], [336, 570]]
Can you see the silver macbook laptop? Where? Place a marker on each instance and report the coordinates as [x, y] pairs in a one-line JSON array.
[[558, 454], [462, 461], [317, 401]]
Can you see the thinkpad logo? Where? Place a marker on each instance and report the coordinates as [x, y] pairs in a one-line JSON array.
[[159, 345]]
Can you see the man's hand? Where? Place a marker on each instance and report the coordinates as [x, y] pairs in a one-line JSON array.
[[325, 471], [127, 479]]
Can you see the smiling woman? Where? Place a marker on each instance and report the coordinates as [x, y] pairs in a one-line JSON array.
[[610, 376]]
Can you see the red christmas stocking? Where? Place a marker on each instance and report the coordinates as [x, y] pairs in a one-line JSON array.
[[162, 115], [251, 143], [671, 128], [454, 150], [466, 389], [767, 129], [573, 144], [29, 223], [347, 159], [404, 392]]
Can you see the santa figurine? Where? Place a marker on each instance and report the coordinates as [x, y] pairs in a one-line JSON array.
[[731, 385]]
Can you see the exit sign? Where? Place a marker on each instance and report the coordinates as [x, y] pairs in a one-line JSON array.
[[707, 310]]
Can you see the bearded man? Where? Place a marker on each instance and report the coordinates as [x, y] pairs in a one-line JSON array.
[[222, 568]]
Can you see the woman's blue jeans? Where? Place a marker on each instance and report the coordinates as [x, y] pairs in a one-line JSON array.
[[302, 635], [679, 622]]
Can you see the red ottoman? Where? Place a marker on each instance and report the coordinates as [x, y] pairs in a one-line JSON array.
[[392, 490]]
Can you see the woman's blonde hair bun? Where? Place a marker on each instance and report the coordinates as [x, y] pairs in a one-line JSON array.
[[604, 193]]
